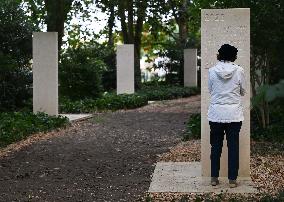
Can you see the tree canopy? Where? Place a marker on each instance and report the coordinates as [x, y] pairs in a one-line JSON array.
[[157, 28]]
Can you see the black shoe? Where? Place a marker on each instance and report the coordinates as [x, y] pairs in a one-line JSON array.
[[233, 183], [214, 181]]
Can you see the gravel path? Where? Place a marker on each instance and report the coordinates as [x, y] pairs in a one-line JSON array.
[[108, 158]]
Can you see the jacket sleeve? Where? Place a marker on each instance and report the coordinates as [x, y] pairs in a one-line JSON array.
[[209, 82], [242, 82]]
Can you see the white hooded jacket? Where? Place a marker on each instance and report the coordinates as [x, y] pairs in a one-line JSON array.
[[226, 85]]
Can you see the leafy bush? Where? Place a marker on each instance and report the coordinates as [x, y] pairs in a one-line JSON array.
[[108, 55], [267, 111], [193, 128], [274, 132], [15, 54], [15, 85], [272, 97], [166, 92], [15, 126], [111, 101], [80, 74], [107, 102], [123, 101]]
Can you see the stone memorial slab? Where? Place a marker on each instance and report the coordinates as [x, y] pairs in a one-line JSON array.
[[45, 72], [190, 67], [125, 69], [220, 26]]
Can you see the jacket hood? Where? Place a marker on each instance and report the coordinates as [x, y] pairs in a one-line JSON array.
[[225, 70]]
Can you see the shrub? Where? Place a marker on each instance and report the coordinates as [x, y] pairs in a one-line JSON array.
[[80, 74], [15, 85], [111, 101], [15, 126], [274, 132], [193, 128], [123, 101], [107, 102], [108, 55], [166, 92], [15, 54], [87, 70]]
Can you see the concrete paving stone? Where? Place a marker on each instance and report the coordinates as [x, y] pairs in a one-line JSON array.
[[185, 177], [77, 117]]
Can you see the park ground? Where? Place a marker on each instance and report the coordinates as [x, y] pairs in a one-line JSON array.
[[112, 156]]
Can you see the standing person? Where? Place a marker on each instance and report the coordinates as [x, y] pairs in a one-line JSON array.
[[226, 85]]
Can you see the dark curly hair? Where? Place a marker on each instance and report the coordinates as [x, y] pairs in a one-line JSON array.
[[227, 53]]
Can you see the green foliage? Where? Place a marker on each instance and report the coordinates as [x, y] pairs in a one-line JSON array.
[[107, 102], [275, 91], [80, 74], [274, 132], [167, 92], [15, 32], [169, 30], [15, 126], [15, 54], [172, 62], [86, 70], [123, 101], [15, 84], [111, 101], [108, 55], [268, 126], [268, 93], [193, 128], [148, 198]]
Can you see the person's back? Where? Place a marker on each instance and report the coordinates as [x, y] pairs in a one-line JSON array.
[[226, 86]]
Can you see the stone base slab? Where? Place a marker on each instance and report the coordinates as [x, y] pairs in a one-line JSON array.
[[185, 177], [77, 117]]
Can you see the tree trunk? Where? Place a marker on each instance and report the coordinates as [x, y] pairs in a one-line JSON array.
[[111, 25], [183, 35], [57, 11], [141, 13], [130, 21], [262, 113], [121, 13], [131, 36], [180, 13]]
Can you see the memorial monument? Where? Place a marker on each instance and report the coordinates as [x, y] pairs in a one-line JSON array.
[[220, 26], [125, 69], [45, 72], [190, 67]]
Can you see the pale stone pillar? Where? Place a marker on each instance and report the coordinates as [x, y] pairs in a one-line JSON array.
[[220, 26], [190, 67], [125, 69], [45, 72]]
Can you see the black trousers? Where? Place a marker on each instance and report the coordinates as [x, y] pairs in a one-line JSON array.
[[217, 131]]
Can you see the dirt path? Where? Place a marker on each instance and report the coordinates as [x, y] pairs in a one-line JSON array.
[[108, 158]]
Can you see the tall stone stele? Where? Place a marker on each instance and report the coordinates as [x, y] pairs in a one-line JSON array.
[[45, 72], [125, 69], [220, 26], [190, 67]]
